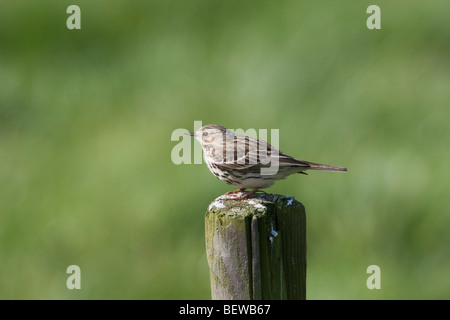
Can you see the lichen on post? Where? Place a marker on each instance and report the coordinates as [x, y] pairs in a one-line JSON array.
[[256, 248]]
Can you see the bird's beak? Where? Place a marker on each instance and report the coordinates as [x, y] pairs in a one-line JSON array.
[[190, 133]]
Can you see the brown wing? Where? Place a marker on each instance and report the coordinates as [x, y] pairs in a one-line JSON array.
[[243, 152]]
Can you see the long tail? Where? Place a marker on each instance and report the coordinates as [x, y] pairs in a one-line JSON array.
[[324, 167]]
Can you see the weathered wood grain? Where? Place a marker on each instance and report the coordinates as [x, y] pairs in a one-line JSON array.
[[256, 248]]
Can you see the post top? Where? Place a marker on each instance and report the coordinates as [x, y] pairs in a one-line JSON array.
[[256, 204]]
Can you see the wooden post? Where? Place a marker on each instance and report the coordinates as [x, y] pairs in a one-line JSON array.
[[256, 248]]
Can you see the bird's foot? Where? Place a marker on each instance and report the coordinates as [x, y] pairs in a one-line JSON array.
[[245, 196], [235, 191]]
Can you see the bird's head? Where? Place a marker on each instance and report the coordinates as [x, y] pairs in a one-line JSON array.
[[210, 133]]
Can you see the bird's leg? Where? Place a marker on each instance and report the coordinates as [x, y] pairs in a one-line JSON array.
[[235, 191], [245, 196]]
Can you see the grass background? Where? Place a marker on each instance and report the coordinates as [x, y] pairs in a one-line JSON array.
[[86, 118]]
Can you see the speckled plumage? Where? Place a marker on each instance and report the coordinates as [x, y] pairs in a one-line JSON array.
[[240, 160]]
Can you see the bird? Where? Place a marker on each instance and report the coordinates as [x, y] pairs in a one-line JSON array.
[[245, 162]]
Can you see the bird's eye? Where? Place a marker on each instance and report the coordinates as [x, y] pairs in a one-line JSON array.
[[205, 134]]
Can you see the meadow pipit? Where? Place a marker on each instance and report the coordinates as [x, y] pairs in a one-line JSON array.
[[240, 160]]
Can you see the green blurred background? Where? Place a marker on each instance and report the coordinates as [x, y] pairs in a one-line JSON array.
[[86, 118]]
